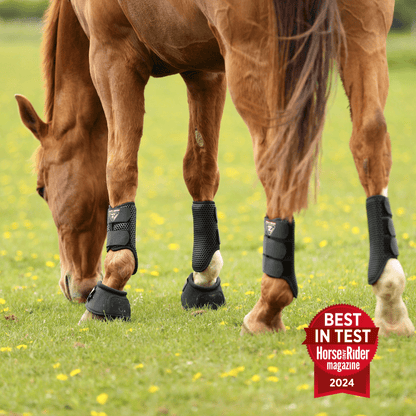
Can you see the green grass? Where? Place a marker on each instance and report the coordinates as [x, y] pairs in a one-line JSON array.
[[173, 345]]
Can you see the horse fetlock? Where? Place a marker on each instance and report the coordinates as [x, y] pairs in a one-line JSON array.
[[77, 290], [119, 266], [391, 314], [209, 276]]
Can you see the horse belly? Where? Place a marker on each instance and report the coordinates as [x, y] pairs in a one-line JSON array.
[[176, 31]]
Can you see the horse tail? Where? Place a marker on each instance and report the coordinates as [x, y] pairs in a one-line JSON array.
[[310, 35]]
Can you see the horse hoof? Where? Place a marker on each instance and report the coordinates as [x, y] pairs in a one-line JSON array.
[[403, 328], [89, 316], [194, 296], [76, 291], [252, 326]]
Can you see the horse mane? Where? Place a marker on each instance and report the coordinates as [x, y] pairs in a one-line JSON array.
[[49, 44]]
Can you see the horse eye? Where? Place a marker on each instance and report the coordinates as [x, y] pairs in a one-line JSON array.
[[40, 191]]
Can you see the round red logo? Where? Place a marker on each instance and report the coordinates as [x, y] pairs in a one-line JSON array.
[[342, 341]]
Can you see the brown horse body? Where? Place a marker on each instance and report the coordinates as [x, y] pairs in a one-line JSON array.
[[275, 59]]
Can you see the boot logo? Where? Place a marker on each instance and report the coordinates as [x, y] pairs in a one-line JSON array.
[[113, 215], [270, 227]]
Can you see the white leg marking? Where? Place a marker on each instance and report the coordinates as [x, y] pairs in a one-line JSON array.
[[209, 276], [384, 191], [391, 314]]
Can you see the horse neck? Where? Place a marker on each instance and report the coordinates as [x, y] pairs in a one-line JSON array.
[[76, 103]]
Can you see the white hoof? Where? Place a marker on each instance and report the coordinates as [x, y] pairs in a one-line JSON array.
[[391, 314]]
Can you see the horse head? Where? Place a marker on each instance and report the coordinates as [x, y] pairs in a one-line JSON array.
[[70, 165]]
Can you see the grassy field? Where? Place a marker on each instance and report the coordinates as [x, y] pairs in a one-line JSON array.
[[166, 361]]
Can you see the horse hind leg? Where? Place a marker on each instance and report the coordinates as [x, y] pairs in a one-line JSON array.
[[206, 98], [365, 76]]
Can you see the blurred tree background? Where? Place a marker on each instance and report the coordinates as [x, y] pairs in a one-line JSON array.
[[404, 15]]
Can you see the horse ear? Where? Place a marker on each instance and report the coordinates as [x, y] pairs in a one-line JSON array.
[[30, 118]]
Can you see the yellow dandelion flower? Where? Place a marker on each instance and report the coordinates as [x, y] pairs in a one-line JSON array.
[[57, 365], [270, 356], [19, 347], [168, 371], [39, 300], [173, 246], [289, 352], [272, 378], [223, 323], [412, 277], [225, 284], [223, 375], [153, 389], [74, 372], [139, 290], [377, 357], [84, 329], [50, 264], [255, 378], [154, 273], [301, 327], [235, 371], [322, 414], [260, 250], [175, 269], [7, 235], [292, 370], [127, 287], [196, 376], [177, 354], [27, 414], [2, 301], [391, 349], [272, 369], [249, 292], [5, 349], [62, 377], [405, 236], [138, 366], [102, 398], [323, 243], [400, 211], [307, 240], [302, 387], [221, 215]]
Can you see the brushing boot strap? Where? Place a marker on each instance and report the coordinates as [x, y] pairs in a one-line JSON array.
[[383, 243], [206, 234], [108, 302], [279, 251], [121, 229]]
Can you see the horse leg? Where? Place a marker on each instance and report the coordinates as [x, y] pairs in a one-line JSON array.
[[364, 73], [120, 69], [206, 98], [279, 89]]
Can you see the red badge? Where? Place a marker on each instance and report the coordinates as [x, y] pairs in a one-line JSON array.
[[342, 341]]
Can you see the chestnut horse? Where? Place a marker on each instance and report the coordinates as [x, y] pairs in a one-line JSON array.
[[275, 58]]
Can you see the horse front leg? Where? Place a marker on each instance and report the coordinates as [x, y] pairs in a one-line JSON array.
[[364, 73], [120, 74], [206, 97]]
